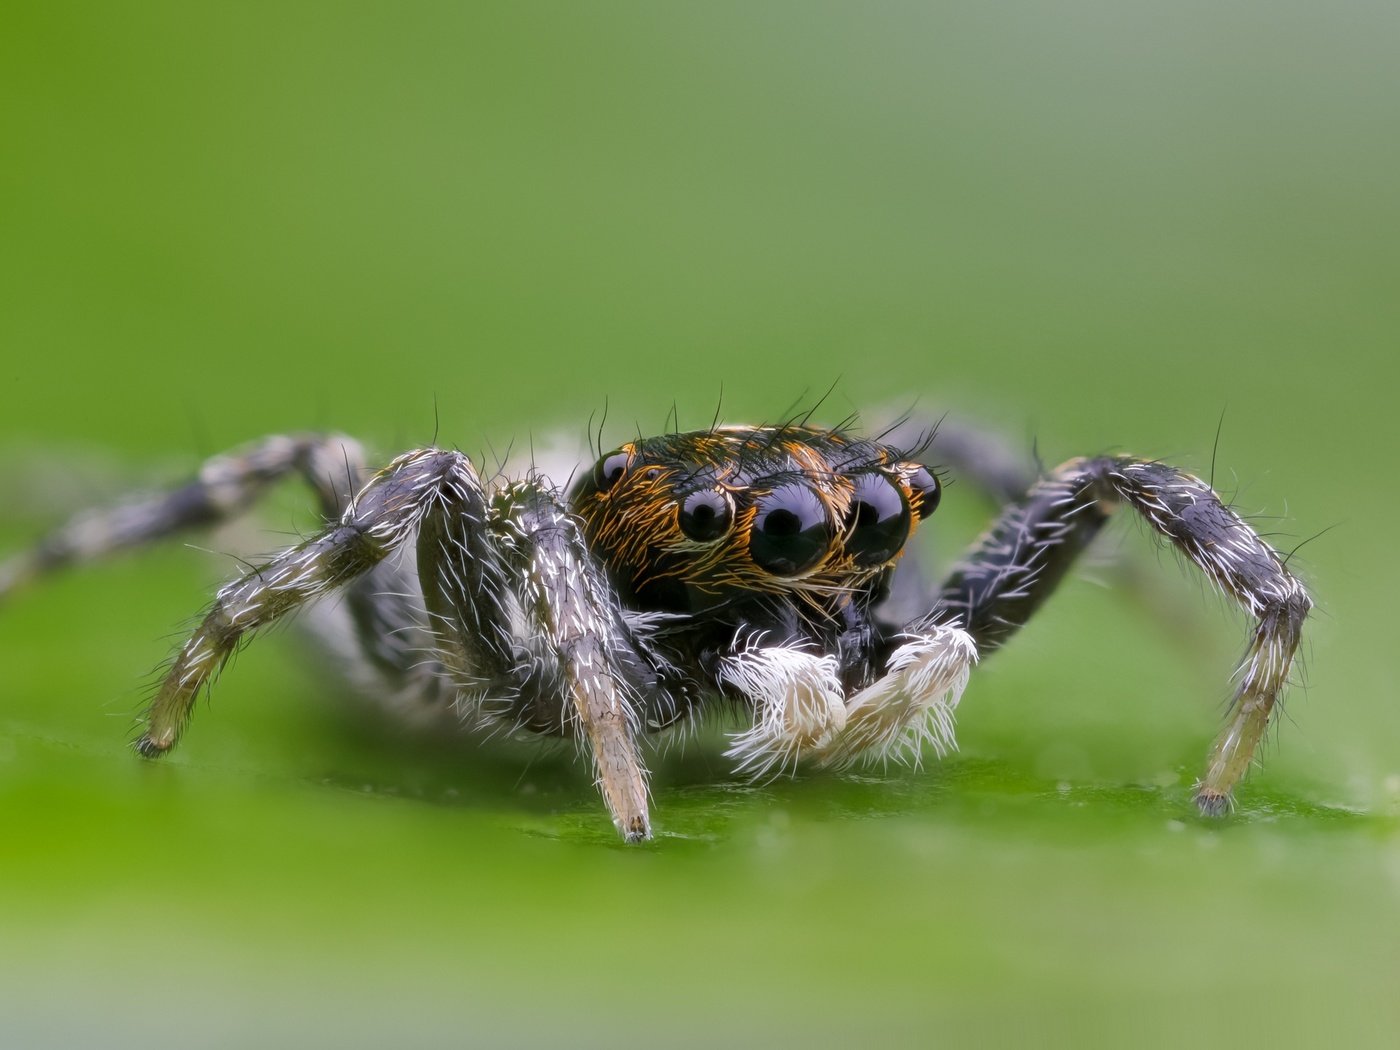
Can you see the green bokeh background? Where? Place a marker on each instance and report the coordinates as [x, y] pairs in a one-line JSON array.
[[1096, 225]]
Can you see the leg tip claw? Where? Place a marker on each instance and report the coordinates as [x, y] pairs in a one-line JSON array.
[[148, 748], [1213, 803], [636, 830]]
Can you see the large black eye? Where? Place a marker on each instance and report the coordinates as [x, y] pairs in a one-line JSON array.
[[791, 530], [927, 491], [706, 515], [609, 469], [878, 521]]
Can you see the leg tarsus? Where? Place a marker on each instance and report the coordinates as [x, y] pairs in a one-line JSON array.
[[148, 748], [371, 528], [1212, 803]]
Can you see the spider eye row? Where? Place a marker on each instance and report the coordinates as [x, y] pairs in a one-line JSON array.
[[791, 529]]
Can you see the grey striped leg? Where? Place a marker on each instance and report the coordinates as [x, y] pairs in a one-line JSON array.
[[1020, 560], [225, 486], [473, 572], [380, 610], [388, 510], [592, 653], [1003, 470]]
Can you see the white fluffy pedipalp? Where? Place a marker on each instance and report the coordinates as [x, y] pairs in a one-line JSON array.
[[798, 704], [912, 705]]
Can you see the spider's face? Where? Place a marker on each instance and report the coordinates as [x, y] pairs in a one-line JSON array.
[[687, 521]]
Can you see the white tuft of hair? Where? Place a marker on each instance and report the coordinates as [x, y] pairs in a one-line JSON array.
[[912, 706], [798, 703]]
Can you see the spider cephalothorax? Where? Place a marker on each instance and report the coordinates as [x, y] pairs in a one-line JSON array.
[[739, 564], [784, 534], [685, 522]]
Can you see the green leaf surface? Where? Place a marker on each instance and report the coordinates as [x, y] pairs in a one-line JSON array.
[[1094, 226]]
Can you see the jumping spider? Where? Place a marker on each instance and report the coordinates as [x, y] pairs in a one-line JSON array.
[[737, 564]]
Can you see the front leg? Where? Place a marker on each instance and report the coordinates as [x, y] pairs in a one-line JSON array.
[[1021, 559], [589, 653], [388, 511], [467, 574]]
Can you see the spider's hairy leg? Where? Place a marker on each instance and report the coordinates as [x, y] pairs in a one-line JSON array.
[[1002, 470], [387, 511], [467, 589], [373, 630], [225, 486], [797, 700], [1020, 560], [591, 656]]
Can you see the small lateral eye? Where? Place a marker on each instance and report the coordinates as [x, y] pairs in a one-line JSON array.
[[878, 522], [927, 491], [791, 530], [609, 470], [706, 515]]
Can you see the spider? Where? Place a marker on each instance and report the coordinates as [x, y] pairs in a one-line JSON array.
[[746, 565]]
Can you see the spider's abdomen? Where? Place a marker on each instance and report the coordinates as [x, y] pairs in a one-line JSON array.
[[689, 522]]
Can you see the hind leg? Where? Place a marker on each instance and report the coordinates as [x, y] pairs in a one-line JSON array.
[[375, 629], [224, 487]]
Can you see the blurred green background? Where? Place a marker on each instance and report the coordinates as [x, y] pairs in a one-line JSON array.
[[1096, 225]]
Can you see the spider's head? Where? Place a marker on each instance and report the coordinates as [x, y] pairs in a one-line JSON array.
[[685, 522]]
